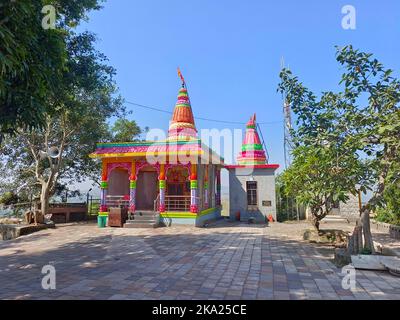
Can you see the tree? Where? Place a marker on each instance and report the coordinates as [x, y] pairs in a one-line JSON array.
[[125, 130], [389, 209], [319, 177], [32, 59], [362, 120], [288, 207], [84, 101]]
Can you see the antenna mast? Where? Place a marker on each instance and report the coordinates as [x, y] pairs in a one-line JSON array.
[[287, 126]]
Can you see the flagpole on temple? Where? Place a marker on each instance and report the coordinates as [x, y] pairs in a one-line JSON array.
[[184, 85]]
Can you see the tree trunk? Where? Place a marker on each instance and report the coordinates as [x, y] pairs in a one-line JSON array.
[[366, 226], [315, 219], [44, 199]]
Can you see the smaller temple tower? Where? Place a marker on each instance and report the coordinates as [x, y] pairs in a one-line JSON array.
[[252, 181]]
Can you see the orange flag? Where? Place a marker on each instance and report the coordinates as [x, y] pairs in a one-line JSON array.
[[180, 75]]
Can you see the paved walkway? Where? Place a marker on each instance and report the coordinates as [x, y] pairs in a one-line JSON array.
[[225, 261]]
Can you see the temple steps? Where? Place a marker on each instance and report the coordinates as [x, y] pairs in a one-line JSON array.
[[334, 219], [136, 224], [143, 219]]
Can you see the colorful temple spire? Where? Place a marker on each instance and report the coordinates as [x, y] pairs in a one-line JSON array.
[[252, 150], [182, 124]]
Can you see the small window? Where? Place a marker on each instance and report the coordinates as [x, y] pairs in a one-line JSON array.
[[251, 187]]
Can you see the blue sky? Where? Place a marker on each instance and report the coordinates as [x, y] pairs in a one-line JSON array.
[[230, 52]]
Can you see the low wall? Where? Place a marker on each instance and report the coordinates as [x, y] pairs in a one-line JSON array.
[[65, 213], [392, 230], [12, 231], [188, 218]]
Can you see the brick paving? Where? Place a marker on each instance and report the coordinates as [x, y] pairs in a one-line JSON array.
[[223, 261]]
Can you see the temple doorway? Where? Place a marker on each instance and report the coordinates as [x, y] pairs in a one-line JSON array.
[[178, 189], [118, 183], [178, 183], [146, 190]]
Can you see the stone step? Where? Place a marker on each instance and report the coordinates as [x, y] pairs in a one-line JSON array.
[[334, 218], [140, 224], [145, 214], [142, 218]]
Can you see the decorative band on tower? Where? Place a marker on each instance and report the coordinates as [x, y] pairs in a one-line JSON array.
[[182, 125], [252, 151]]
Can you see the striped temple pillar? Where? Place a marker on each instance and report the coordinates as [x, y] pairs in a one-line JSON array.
[[104, 187], [218, 195], [206, 188], [132, 188], [194, 206], [162, 184]]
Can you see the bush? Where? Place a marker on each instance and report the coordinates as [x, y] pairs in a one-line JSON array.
[[94, 208], [389, 210], [9, 198], [387, 216]]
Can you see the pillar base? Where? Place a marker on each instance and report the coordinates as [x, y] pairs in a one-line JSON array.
[[194, 208]]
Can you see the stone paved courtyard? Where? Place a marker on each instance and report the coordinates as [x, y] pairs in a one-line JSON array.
[[224, 261]]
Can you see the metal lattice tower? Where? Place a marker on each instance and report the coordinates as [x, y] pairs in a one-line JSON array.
[[287, 126]]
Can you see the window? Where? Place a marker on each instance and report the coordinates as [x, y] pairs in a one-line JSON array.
[[251, 187]]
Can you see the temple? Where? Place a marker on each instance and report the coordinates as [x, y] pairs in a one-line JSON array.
[[177, 180], [252, 181]]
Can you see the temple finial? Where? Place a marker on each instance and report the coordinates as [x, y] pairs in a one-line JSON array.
[[182, 125], [182, 78]]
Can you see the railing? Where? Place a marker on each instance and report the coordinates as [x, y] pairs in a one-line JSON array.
[[172, 203], [177, 203], [15, 210], [93, 206], [67, 204], [18, 209], [117, 201], [157, 203]]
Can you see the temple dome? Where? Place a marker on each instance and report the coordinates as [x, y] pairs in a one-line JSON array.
[[252, 150], [182, 124]]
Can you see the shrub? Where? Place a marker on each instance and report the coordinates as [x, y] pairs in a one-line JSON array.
[[388, 216], [9, 198]]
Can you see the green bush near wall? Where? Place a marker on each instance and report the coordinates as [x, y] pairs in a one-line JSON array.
[[387, 216], [389, 211]]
